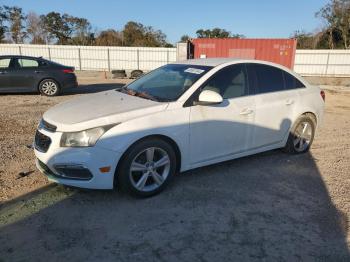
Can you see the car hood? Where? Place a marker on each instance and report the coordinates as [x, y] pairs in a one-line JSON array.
[[105, 108]]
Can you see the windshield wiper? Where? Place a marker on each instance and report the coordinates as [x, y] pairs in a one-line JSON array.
[[139, 94]]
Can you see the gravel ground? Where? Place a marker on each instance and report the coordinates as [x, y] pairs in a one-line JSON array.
[[269, 207]]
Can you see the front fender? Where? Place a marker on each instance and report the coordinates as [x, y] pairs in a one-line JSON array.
[[173, 124]]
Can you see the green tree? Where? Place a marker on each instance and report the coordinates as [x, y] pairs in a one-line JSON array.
[[136, 34], [216, 33], [35, 29], [304, 40], [184, 38], [336, 14], [58, 27], [82, 32], [16, 18], [109, 37], [3, 20]]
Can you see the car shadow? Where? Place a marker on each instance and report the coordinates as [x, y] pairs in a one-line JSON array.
[[270, 206], [81, 89], [92, 88]]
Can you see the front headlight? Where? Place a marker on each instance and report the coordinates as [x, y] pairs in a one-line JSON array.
[[83, 138]]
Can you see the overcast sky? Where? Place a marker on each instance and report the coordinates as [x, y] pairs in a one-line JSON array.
[[253, 18]]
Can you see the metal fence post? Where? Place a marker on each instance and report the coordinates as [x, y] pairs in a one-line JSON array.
[[138, 58], [20, 50], [79, 56], [109, 60], [329, 53], [167, 56], [48, 49]]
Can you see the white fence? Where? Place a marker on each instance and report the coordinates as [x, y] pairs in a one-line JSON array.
[[323, 62], [307, 62], [98, 58]]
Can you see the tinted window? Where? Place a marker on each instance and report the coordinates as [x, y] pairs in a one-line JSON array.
[[268, 78], [291, 82], [229, 82], [5, 62], [28, 62]]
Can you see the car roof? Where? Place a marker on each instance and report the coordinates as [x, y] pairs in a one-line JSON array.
[[214, 62], [19, 56], [207, 61]]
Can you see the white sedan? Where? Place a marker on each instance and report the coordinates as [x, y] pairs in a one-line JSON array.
[[178, 117]]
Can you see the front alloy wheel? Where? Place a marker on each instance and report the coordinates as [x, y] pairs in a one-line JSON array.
[[147, 167]]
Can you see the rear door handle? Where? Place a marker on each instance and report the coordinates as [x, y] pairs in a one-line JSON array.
[[3, 72], [289, 102], [246, 111], [38, 72]]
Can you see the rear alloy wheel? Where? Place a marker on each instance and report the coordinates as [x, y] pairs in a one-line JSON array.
[[301, 137], [147, 167], [49, 87]]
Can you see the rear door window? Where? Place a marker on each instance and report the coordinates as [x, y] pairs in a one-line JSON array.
[[267, 78], [23, 63], [5, 63]]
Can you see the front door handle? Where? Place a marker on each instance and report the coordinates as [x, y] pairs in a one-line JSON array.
[[3, 72], [246, 111], [289, 102], [38, 72]]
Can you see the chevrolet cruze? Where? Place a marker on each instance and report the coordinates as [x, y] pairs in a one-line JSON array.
[[178, 117]]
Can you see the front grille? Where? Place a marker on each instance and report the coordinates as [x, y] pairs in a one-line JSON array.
[[42, 142], [47, 126]]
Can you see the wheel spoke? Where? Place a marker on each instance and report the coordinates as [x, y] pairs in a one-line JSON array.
[[157, 178], [305, 127], [296, 141], [162, 162], [150, 154], [301, 143], [141, 183], [137, 167]]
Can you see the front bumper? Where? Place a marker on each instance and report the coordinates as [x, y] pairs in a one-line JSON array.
[[82, 165]]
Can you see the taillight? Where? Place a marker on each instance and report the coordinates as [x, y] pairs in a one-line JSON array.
[[68, 71], [323, 95]]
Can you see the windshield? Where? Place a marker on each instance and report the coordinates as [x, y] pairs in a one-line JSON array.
[[168, 82]]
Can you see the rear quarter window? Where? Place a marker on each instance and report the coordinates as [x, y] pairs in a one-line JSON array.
[[291, 82], [268, 78]]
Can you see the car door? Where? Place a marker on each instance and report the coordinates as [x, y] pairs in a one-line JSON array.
[[25, 75], [5, 74], [274, 103], [219, 131]]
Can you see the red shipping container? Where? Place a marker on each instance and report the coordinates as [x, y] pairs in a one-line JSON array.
[[279, 51]]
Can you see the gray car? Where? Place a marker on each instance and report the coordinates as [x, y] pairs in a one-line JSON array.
[[34, 74]]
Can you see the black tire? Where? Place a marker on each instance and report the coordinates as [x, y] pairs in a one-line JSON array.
[[125, 177], [136, 73], [293, 146], [49, 87]]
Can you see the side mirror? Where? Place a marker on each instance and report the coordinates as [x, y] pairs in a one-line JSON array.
[[209, 97]]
